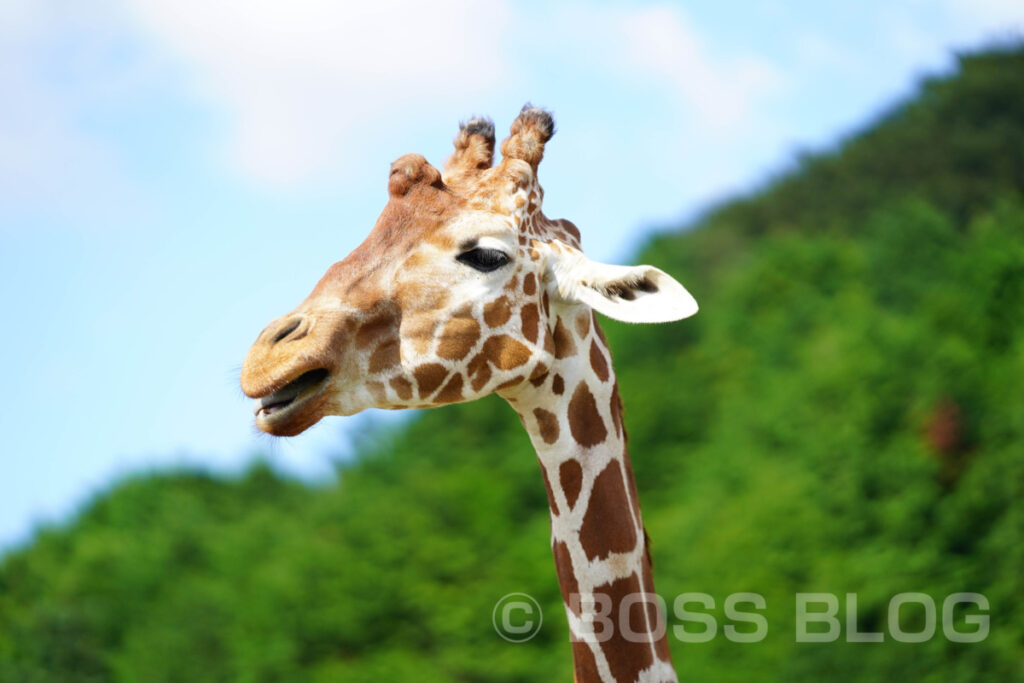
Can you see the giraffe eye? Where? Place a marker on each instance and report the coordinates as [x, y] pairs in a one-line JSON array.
[[483, 259]]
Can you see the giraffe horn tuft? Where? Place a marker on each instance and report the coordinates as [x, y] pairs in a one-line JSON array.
[[529, 133], [412, 170], [474, 150], [478, 125]]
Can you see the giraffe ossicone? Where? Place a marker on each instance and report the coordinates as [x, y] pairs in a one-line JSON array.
[[465, 288]]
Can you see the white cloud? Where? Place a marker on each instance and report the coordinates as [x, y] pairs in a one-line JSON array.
[[304, 87], [657, 50], [301, 81], [49, 58], [662, 44]]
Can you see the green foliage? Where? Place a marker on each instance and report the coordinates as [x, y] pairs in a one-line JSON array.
[[843, 416]]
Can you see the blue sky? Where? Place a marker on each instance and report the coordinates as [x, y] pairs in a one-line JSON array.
[[175, 175]]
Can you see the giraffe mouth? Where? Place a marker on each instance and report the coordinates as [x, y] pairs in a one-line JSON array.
[[277, 407]]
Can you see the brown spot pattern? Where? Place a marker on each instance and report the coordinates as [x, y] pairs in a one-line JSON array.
[[547, 423], [584, 421], [558, 385], [547, 482], [497, 312], [570, 228], [615, 405], [600, 332], [452, 391], [429, 377], [583, 325], [631, 487], [566, 575], [402, 387], [564, 345], [373, 329], [598, 362], [505, 352], [530, 319], [384, 356], [605, 529], [530, 284], [475, 364], [584, 664], [570, 474], [656, 617], [518, 379], [458, 338], [626, 659], [549, 342], [481, 376], [420, 331]]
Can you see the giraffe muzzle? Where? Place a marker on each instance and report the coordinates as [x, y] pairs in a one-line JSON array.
[[279, 407]]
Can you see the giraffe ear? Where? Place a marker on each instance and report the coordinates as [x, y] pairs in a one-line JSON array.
[[633, 294]]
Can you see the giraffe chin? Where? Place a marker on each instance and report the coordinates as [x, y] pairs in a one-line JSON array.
[[295, 407]]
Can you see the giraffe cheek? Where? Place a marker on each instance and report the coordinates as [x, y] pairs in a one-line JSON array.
[[417, 335], [458, 338], [384, 357]]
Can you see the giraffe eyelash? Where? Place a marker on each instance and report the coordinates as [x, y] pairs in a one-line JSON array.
[[483, 259]]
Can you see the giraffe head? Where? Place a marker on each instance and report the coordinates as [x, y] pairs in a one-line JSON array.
[[461, 289]]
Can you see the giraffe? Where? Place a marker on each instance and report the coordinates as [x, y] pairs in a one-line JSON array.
[[465, 288]]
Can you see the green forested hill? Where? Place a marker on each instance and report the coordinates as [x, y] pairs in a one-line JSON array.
[[845, 415]]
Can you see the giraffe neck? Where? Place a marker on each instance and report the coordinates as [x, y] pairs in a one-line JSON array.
[[573, 416]]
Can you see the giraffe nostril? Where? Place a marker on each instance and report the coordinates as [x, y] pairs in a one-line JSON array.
[[285, 328]]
